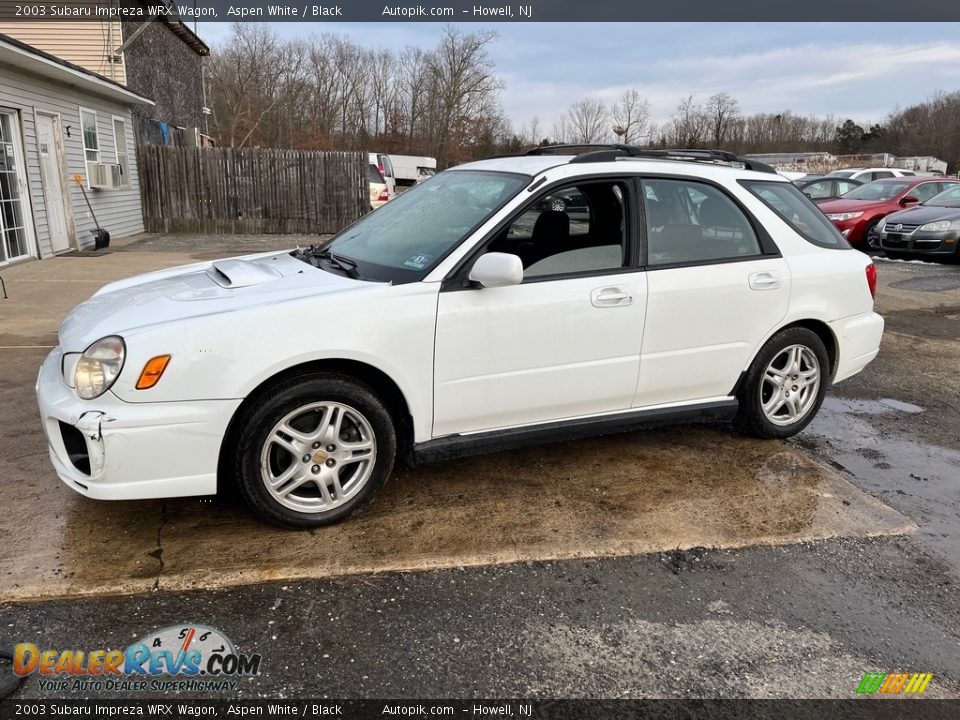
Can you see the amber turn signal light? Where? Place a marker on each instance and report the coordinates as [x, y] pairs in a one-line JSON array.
[[152, 372]]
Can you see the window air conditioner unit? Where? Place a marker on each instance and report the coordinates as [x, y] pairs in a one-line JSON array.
[[105, 176]]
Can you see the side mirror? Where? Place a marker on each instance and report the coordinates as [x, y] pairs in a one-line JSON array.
[[496, 269], [909, 200]]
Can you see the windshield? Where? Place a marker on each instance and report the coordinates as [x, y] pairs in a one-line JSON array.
[[877, 191], [948, 198], [404, 239]]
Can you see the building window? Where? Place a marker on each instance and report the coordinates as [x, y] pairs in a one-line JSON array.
[[91, 140], [120, 143]]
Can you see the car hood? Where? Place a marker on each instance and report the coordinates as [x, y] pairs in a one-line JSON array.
[[924, 214], [220, 286], [840, 205]]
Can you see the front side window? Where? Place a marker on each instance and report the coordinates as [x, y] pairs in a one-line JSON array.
[[576, 229], [798, 212], [404, 239], [690, 222], [818, 190], [925, 191]]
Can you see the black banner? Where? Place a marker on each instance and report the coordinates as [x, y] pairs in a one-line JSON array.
[[892, 709], [481, 10]]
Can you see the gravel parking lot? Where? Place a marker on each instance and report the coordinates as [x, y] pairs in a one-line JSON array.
[[579, 569]]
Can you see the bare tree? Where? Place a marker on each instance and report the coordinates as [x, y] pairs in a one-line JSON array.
[[690, 123], [631, 115], [723, 111], [588, 121]]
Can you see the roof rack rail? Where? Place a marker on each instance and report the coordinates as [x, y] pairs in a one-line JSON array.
[[603, 152]]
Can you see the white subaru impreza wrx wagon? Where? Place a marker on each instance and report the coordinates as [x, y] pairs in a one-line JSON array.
[[520, 299]]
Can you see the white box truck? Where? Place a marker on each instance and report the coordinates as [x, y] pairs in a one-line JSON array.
[[408, 170]]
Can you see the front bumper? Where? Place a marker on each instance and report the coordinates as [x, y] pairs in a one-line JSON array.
[[921, 243], [855, 231], [108, 449]]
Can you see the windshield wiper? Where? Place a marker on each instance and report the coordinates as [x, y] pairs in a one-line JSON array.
[[348, 266]]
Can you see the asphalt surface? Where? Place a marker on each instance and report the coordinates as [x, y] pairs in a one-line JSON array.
[[806, 619]]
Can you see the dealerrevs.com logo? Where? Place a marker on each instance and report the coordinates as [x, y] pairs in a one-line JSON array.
[[182, 657]]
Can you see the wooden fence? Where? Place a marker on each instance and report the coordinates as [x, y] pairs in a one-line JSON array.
[[250, 190]]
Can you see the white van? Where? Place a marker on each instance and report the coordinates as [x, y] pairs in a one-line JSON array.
[[385, 167]]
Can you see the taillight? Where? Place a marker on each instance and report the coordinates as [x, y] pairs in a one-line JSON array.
[[872, 280], [384, 196], [380, 168]]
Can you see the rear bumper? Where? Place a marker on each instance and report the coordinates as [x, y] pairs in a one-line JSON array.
[[108, 449], [858, 341]]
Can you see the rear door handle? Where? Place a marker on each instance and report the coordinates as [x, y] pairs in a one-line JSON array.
[[764, 280], [610, 297]]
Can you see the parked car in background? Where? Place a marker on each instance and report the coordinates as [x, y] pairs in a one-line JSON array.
[[931, 228], [379, 191], [385, 166], [857, 213], [411, 169], [866, 175], [459, 318], [821, 188]]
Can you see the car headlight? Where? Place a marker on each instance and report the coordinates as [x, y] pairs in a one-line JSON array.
[[843, 216], [938, 226], [99, 367]]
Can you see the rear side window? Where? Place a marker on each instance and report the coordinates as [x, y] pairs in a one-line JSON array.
[[798, 212], [691, 222]]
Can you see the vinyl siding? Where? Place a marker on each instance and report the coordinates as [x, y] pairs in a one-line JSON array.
[[86, 44], [118, 211]]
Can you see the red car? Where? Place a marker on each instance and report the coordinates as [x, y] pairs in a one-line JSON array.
[[857, 213]]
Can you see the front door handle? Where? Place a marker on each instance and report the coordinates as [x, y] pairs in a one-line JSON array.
[[610, 297], [764, 280]]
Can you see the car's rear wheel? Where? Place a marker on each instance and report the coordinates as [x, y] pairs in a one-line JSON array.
[[314, 451], [785, 385]]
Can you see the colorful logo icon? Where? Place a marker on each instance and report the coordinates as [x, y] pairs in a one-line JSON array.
[[894, 683], [189, 650]]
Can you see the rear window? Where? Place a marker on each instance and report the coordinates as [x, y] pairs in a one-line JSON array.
[[373, 174], [798, 212]]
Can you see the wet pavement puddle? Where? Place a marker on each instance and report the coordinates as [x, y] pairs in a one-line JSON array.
[[679, 487]]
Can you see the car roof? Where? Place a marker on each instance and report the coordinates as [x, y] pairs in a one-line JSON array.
[[535, 164]]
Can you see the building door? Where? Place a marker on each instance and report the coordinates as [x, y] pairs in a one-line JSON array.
[[53, 173], [14, 206]]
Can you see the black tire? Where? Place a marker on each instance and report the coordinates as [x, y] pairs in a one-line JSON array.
[[750, 418], [286, 397], [871, 240], [9, 681]]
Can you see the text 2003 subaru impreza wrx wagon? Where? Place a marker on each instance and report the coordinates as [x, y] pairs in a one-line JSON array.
[[470, 313]]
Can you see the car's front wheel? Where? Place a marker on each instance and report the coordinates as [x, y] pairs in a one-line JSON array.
[[785, 385], [314, 450]]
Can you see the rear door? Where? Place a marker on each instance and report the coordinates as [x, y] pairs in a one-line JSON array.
[[716, 287]]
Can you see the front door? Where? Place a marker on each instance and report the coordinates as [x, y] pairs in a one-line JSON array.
[[566, 341], [14, 208], [53, 173]]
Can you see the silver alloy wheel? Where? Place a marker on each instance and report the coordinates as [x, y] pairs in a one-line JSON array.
[[318, 457], [790, 384], [558, 205]]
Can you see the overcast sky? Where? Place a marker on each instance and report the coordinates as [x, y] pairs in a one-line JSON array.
[[861, 71]]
